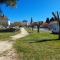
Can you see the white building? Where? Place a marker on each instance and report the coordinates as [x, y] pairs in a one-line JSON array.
[[8, 23], [54, 26]]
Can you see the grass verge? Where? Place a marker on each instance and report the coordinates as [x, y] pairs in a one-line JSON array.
[[38, 46], [6, 35]]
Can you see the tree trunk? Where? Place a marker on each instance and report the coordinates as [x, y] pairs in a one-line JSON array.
[[32, 28], [37, 28]]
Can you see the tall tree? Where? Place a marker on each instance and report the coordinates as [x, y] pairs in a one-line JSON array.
[[25, 23], [31, 20], [56, 17], [31, 23], [51, 19], [9, 2], [38, 25], [47, 20]]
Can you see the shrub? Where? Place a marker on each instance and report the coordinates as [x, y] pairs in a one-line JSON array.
[[8, 30]]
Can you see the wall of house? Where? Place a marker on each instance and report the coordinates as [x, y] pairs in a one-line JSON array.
[[55, 28]]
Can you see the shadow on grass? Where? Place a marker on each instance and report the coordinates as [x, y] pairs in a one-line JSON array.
[[43, 40]]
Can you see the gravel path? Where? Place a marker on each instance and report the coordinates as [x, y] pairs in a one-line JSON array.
[[6, 50]]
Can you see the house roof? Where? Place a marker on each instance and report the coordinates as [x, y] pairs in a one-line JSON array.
[[53, 22], [45, 25]]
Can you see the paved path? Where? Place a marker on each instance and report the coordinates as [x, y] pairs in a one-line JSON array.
[[6, 50]]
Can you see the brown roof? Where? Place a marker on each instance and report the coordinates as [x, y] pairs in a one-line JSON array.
[[45, 24]]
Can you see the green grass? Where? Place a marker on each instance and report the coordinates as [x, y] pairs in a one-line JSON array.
[[33, 47], [6, 35]]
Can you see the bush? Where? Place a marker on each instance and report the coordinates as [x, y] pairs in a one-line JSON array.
[[8, 30]]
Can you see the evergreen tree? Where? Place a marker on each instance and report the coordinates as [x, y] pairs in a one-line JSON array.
[[47, 20], [31, 23], [52, 19]]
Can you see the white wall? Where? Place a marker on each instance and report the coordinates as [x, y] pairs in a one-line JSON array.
[[55, 28]]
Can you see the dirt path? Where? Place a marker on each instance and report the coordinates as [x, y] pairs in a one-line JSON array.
[[22, 34], [6, 50]]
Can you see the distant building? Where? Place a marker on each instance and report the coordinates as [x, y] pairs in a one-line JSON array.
[[44, 25], [3, 21]]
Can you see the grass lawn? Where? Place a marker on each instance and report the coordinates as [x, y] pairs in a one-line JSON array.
[[6, 35], [38, 46]]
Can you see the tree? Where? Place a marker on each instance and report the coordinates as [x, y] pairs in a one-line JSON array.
[[38, 25], [25, 23], [56, 17], [31, 23], [17, 24], [51, 19], [31, 20], [47, 20], [9, 2]]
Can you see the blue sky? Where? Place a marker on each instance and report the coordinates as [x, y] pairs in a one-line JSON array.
[[38, 9]]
